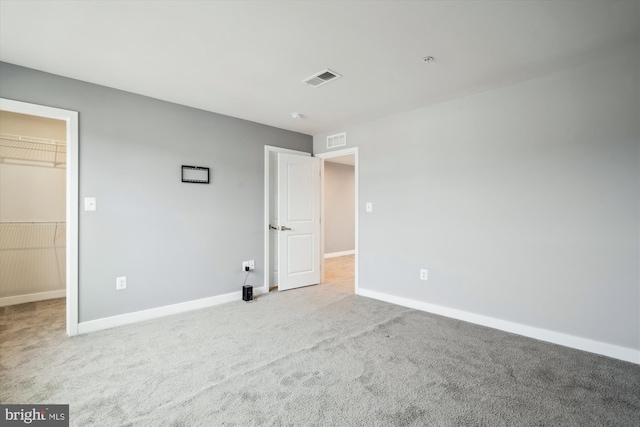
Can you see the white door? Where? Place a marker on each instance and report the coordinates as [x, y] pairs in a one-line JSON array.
[[299, 221]]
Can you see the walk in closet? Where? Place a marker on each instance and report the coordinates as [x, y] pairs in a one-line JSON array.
[[32, 208]]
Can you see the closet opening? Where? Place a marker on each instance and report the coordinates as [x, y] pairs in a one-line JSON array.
[[52, 158], [32, 209]]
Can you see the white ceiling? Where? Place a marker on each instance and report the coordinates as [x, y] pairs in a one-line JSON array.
[[247, 59]]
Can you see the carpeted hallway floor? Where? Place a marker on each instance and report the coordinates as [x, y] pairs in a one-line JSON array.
[[316, 356]]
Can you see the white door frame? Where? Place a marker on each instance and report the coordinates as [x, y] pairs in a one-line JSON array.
[[267, 204], [71, 120], [328, 155]]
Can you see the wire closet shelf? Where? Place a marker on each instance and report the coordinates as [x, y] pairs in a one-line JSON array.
[[31, 150], [32, 256]]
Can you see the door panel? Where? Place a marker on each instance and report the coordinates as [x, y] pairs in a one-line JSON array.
[[301, 252], [299, 225], [300, 198]]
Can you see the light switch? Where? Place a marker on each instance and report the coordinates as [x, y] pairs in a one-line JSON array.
[[89, 203], [368, 207]]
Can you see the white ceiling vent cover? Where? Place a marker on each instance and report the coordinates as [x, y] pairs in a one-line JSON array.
[[321, 78], [337, 140]]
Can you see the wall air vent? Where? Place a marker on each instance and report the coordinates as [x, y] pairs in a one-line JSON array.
[[337, 140], [323, 77]]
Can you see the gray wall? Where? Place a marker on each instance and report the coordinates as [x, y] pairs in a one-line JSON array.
[[339, 208], [175, 242], [522, 202]]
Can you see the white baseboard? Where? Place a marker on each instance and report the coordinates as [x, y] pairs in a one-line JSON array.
[[153, 313], [337, 254], [610, 350], [40, 296]]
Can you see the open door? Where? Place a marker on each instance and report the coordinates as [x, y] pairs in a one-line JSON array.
[[298, 221]]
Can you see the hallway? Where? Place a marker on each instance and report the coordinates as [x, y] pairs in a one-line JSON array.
[[340, 271]]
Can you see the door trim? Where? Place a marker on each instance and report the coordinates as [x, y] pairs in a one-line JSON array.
[[71, 119], [268, 149], [328, 155]]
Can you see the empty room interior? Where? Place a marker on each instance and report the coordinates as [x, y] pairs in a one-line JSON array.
[[320, 213]]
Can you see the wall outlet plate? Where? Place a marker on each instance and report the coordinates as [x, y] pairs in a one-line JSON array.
[[423, 274], [121, 283], [251, 264]]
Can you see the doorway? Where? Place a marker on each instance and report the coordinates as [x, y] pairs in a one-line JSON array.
[[32, 208], [340, 217], [271, 216], [270, 233], [70, 235]]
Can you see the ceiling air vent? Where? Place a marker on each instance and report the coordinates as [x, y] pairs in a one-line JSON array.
[[337, 140], [321, 78]]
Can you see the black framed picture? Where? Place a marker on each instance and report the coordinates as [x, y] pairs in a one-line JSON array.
[[195, 174]]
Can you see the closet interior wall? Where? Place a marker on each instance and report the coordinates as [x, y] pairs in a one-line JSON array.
[[32, 208]]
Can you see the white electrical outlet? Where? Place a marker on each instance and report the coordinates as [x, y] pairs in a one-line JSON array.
[[121, 283], [251, 264], [423, 274], [368, 207]]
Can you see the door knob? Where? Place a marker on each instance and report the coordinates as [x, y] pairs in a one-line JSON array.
[[283, 228]]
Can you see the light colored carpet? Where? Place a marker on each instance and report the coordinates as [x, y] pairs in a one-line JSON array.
[[317, 356]]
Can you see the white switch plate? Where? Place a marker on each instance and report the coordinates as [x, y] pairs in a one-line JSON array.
[[121, 282], [368, 207], [423, 274], [89, 203]]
